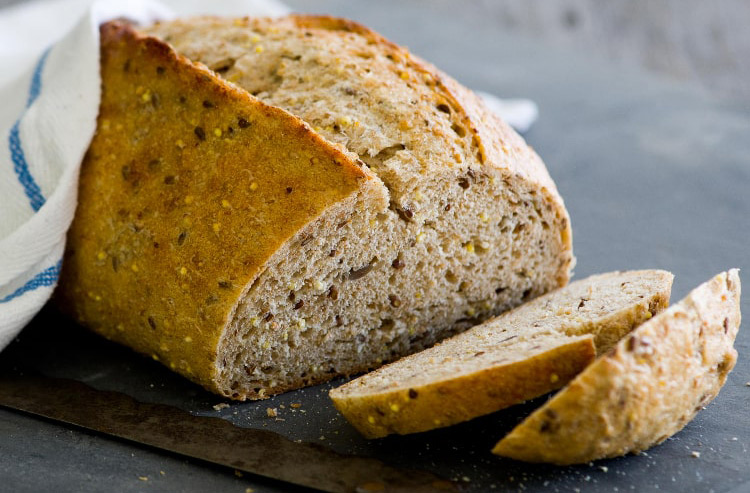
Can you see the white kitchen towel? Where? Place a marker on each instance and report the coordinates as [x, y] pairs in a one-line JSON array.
[[49, 99]]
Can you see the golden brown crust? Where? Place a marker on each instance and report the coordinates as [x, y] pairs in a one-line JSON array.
[[645, 390], [452, 401], [188, 188]]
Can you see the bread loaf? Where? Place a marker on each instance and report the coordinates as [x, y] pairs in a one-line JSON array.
[[524, 353], [645, 390], [314, 203]]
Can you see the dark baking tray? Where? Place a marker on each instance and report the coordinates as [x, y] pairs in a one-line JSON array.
[[654, 173]]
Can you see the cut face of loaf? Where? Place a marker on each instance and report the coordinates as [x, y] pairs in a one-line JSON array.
[[522, 354], [645, 390], [279, 267]]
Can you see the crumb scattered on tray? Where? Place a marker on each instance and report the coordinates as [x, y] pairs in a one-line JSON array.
[[143, 478], [238, 473], [296, 405], [695, 454], [271, 412], [220, 406], [371, 486]]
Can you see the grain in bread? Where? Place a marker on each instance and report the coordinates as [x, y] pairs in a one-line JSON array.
[[529, 351], [645, 390], [465, 222], [182, 202]]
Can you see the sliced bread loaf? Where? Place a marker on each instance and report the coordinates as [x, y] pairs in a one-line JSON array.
[[524, 353], [256, 253], [645, 390]]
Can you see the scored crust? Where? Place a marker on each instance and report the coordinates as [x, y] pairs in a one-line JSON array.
[[529, 351], [645, 390], [190, 186]]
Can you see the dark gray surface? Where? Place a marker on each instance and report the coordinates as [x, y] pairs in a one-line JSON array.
[[654, 175], [253, 450]]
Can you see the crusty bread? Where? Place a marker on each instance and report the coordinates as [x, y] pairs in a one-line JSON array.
[[175, 220], [646, 389], [323, 269], [524, 353]]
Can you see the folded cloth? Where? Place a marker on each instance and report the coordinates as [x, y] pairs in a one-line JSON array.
[[50, 99], [518, 113]]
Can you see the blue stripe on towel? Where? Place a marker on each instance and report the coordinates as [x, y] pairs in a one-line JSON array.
[[20, 166], [30, 188], [36, 80], [47, 277]]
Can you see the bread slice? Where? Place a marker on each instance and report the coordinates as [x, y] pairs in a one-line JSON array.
[[519, 355], [644, 391], [262, 254]]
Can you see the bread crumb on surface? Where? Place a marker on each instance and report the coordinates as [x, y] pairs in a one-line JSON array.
[[296, 405], [371, 486], [695, 454], [143, 478], [271, 412], [220, 406], [238, 473]]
